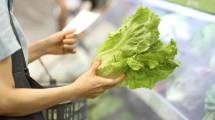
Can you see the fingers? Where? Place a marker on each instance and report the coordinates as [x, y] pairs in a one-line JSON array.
[[96, 64], [107, 83], [69, 36], [69, 41], [69, 48], [69, 45], [113, 82], [68, 32], [119, 79]]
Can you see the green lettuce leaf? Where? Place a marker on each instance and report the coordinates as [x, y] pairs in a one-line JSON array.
[[136, 50]]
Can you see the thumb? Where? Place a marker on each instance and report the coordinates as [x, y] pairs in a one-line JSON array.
[[96, 64]]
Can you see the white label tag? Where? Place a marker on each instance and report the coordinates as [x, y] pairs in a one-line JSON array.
[[82, 21]]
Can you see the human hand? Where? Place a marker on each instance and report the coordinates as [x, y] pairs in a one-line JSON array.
[[90, 86], [62, 42]]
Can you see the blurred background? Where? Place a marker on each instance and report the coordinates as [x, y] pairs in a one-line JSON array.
[[183, 96]]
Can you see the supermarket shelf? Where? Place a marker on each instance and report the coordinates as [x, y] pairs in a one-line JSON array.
[[163, 108], [165, 5]]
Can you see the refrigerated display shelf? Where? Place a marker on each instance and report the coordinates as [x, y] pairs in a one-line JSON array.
[[158, 104], [173, 7]]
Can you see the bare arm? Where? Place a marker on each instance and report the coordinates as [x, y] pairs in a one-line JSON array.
[[21, 101]]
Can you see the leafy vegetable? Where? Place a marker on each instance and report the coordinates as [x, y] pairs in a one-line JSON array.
[[136, 50]]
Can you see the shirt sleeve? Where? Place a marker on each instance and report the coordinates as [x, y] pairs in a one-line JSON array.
[[8, 42]]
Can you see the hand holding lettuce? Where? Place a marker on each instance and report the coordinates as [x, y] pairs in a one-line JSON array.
[[136, 50]]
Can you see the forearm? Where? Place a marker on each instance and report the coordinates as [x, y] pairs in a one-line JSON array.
[[36, 50], [19, 102], [23, 101]]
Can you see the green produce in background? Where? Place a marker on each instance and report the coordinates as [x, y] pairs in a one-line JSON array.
[[136, 50], [203, 5], [210, 104]]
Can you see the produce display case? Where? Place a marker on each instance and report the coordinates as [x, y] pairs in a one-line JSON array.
[[182, 95]]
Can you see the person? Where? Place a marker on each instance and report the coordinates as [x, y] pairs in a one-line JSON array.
[[18, 101]]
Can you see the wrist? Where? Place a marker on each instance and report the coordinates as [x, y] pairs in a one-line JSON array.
[[36, 50], [46, 45], [71, 92]]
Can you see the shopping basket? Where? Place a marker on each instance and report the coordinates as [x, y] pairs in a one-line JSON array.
[[70, 110]]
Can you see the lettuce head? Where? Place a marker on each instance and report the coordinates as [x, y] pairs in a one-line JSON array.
[[136, 50]]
